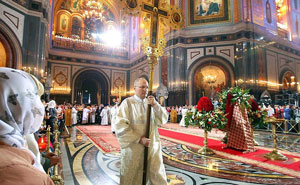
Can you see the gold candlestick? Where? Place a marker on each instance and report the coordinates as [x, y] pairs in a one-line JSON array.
[[275, 154], [205, 150]]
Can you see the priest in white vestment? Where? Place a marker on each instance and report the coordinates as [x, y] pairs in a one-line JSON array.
[[183, 112], [113, 115], [93, 114], [130, 128], [104, 115], [85, 114], [74, 115]]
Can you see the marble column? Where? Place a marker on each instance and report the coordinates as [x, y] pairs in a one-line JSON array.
[[176, 76]]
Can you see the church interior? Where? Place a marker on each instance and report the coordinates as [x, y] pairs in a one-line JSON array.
[[90, 52]]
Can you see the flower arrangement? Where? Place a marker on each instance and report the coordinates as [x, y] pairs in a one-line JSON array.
[[205, 116], [257, 117], [236, 95]]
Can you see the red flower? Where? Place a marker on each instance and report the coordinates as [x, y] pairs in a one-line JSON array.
[[254, 105], [209, 122], [214, 126], [204, 104]]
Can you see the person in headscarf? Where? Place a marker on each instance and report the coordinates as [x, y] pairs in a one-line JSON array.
[[21, 114]]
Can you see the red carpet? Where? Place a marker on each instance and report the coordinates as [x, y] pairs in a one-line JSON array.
[[102, 137], [290, 167]]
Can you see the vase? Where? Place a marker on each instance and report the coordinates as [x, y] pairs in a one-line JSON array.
[[205, 150]]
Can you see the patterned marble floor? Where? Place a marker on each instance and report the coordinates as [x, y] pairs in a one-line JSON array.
[[84, 164]]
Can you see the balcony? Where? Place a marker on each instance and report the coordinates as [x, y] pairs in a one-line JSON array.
[[88, 46]]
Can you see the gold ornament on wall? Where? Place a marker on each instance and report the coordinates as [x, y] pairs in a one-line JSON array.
[[60, 78], [176, 19], [131, 7]]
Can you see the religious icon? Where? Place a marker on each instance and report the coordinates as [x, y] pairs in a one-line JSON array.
[[205, 11], [206, 7], [176, 17], [131, 3], [64, 21]]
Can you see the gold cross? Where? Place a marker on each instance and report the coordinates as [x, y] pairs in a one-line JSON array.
[[155, 13]]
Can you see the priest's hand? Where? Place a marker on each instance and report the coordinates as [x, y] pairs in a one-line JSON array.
[[151, 100], [145, 141]]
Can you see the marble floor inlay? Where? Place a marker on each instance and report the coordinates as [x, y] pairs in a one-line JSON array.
[[89, 166]]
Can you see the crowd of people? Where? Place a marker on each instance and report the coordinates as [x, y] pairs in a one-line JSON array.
[[70, 115], [20, 126]]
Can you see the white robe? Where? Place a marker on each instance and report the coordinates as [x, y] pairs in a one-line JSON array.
[[130, 126], [74, 116], [113, 114], [182, 122], [104, 116], [85, 115], [93, 114]]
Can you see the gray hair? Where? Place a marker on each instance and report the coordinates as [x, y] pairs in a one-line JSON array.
[[137, 81]]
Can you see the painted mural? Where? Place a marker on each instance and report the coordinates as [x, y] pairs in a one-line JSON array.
[[206, 11]]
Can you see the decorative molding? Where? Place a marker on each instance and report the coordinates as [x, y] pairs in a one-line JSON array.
[[226, 52], [193, 55], [106, 71], [61, 77], [75, 69], [209, 51], [118, 83], [14, 20]]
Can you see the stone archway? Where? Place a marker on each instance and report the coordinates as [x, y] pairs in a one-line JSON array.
[[288, 80], [91, 87], [207, 76], [10, 48]]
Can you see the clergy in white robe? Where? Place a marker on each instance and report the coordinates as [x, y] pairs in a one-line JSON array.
[[85, 115], [113, 115], [74, 115], [93, 114], [182, 121], [130, 128], [104, 115]]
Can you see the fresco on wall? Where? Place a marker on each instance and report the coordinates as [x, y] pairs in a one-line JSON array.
[[206, 11], [63, 23]]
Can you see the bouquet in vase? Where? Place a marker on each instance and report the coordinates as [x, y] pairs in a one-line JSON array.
[[205, 116]]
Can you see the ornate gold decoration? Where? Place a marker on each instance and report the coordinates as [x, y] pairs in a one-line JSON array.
[[205, 150], [176, 19], [93, 8], [155, 51], [275, 154], [56, 178], [119, 83], [131, 7], [174, 180], [60, 78]]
